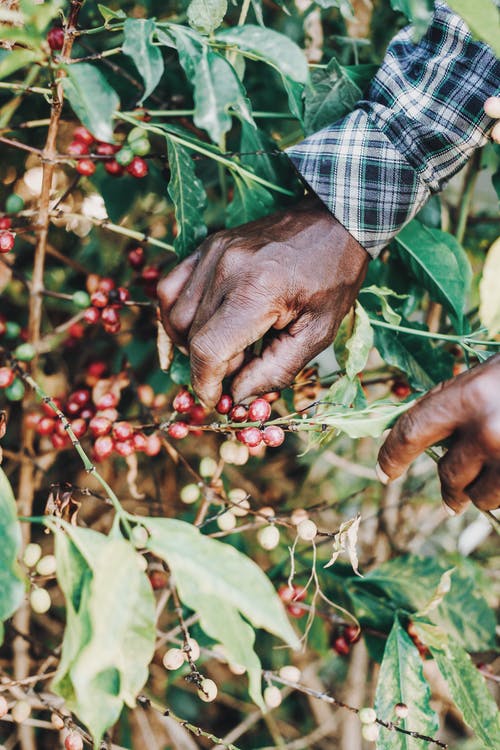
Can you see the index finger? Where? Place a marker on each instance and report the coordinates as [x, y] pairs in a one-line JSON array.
[[435, 417]]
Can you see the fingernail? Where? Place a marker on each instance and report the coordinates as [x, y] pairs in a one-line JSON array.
[[449, 510], [382, 476]]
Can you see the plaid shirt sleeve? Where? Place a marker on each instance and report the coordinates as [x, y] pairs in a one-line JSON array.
[[421, 121]]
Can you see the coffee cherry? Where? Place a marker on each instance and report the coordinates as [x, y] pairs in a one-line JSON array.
[[224, 404], [291, 594], [108, 400], [46, 426], [174, 658], [124, 156], [85, 167], [158, 579], [25, 352], [4, 707], [197, 414], [259, 410], [208, 690], [138, 167], [103, 447], [139, 441], [73, 741], [238, 413], [139, 536], [226, 521], [273, 435], [78, 148], [208, 466], [113, 168], [136, 258], [370, 732], [352, 633], [367, 715], [12, 329], [40, 601], [59, 441], [72, 409], [99, 299], [47, 565], [401, 710], [268, 537], [15, 392], [272, 396], [106, 149], [82, 134], [5, 222], [79, 427], [150, 274], [20, 711], [92, 315], [178, 430], [307, 530], [240, 504], [234, 453], [81, 299], [272, 696], [57, 721], [183, 402], [123, 431], [341, 646], [250, 436], [7, 241], [153, 445], [400, 389], [7, 377], [55, 38], [140, 146], [193, 648], [190, 494], [290, 673], [100, 426], [32, 554], [125, 448]]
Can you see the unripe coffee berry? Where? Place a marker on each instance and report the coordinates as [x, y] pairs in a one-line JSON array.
[[234, 453], [174, 658], [178, 430], [259, 410], [226, 521], [208, 690], [4, 707], [81, 299], [273, 435], [139, 536], [224, 404], [183, 402], [272, 696], [290, 673], [307, 530], [73, 741], [190, 493], [370, 732], [194, 649], [15, 392], [47, 565], [40, 601], [25, 352], [57, 721], [7, 241], [208, 466], [240, 504], [367, 715], [401, 710], [21, 711], [32, 554], [124, 156], [140, 146], [268, 537]]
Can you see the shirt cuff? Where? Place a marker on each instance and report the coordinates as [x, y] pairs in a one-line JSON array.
[[364, 181]]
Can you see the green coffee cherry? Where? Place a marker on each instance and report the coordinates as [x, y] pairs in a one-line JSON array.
[[12, 329], [25, 352], [15, 392], [141, 146], [14, 203], [81, 299], [124, 156]]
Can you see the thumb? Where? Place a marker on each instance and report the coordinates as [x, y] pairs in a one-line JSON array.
[[281, 360]]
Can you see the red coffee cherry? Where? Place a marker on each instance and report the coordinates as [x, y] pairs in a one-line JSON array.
[[72, 408], [85, 167], [7, 377], [5, 223], [138, 167], [352, 634], [250, 436], [110, 316], [271, 396], [178, 430], [341, 646], [150, 274], [47, 409], [7, 241], [106, 149], [140, 441], [81, 133], [291, 594], [136, 258], [401, 389], [183, 402], [78, 148], [99, 299], [60, 441], [295, 610], [123, 431], [46, 426], [224, 404], [125, 448], [73, 741], [238, 413], [153, 446], [259, 410], [108, 400], [106, 284], [97, 369], [123, 294], [79, 427], [197, 414], [103, 447], [55, 38], [92, 315], [273, 435], [113, 168], [100, 426], [80, 396]]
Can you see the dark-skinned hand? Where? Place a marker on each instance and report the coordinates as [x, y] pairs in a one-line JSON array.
[[466, 410], [290, 277]]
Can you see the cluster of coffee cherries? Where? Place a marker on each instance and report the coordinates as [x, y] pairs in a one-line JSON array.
[[7, 238], [149, 274], [20, 711], [252, 436], [106, 300], [10, 383], [344, 638], [119, 158], [98, 416]]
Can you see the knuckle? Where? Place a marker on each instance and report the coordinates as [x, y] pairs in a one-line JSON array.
[[490, 435], [449, 476], [202, 352]]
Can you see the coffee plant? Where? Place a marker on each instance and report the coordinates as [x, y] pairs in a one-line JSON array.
[[174, 578]]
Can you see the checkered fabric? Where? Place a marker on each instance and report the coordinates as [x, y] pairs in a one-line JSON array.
[[421, 121]]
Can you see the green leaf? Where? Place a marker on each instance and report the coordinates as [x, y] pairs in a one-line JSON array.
[[382, 293], [269, 46], [189, 199], [367, 422], [110, 636], [249, 202], [13, 60], [482, 19], [440, 264], [424, 364], [220, 584], [401, 680], [489, 309], [206, 15], [330, 95], [180, 369], [11, 585], [419, 12], [92, 99], [467, 685], [109, 15], [146, 57], [360, 343]]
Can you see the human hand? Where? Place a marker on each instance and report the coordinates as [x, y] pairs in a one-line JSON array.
[[492, 109], [466, 410], [291, 277]]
